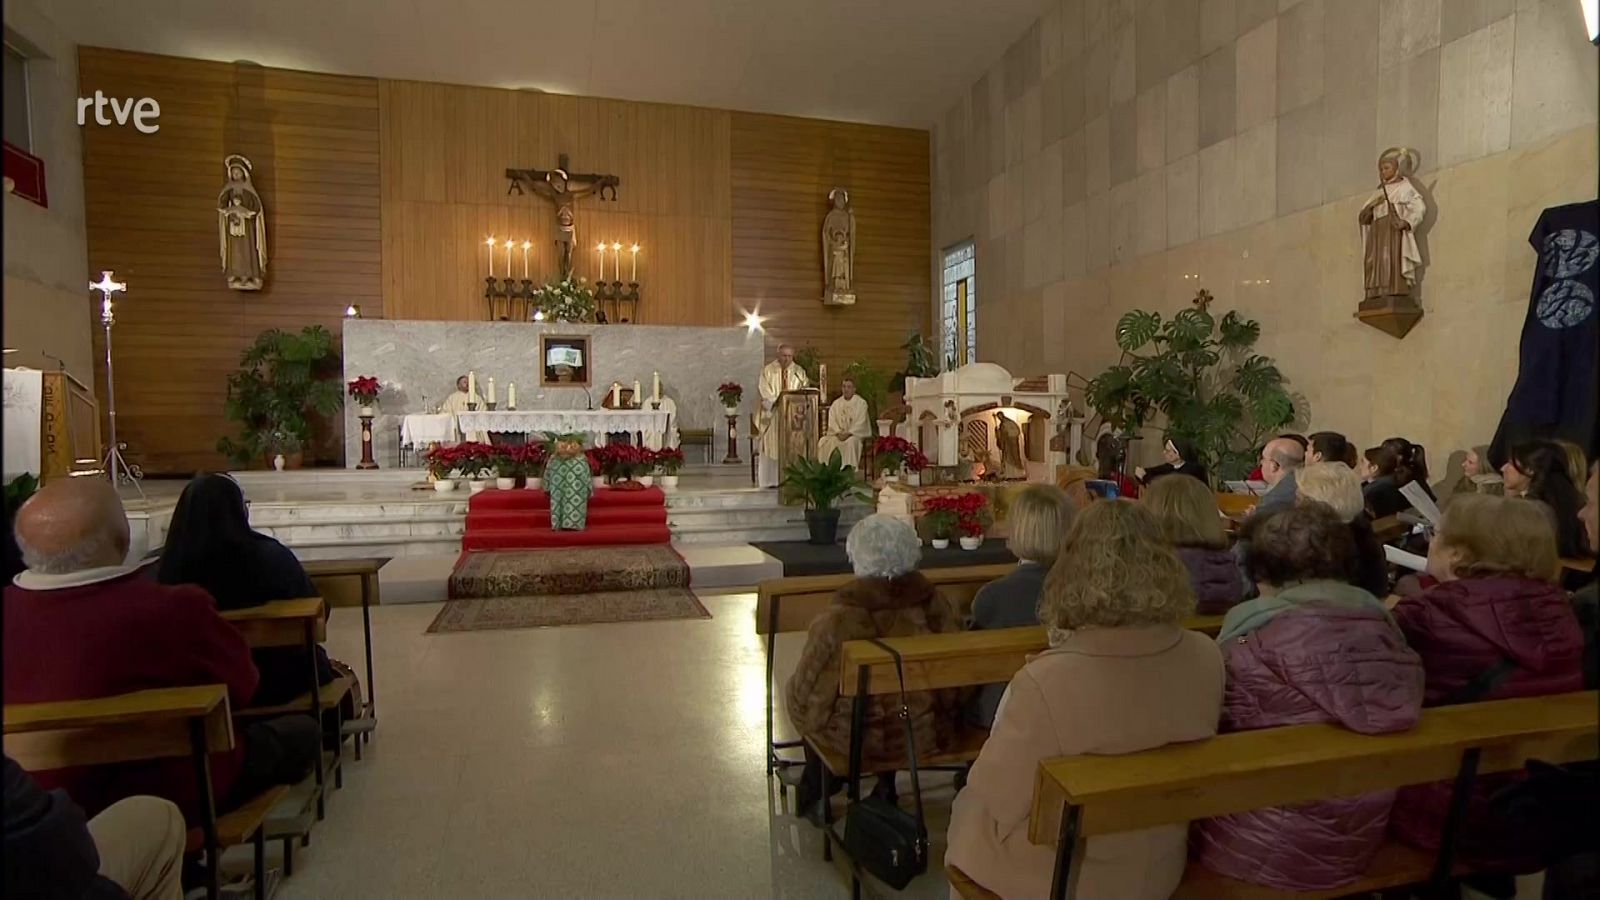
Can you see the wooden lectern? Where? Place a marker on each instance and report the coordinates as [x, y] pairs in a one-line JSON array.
[[795, 418], [70, 426]]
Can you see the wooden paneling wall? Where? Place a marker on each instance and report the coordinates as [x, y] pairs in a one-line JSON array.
[[381, 193], [151, 213], [783, 169], [446, 149]]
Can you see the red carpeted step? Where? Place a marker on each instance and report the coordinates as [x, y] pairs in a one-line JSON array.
[[593, 536], [501, 520], [500, 501]]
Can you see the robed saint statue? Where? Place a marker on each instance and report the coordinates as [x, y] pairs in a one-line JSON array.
[[242, 228], [1389, 223]]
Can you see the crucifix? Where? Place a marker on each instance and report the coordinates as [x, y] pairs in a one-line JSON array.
[[562, 188]]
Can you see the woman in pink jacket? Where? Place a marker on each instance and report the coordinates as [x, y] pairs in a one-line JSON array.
[[1121, 675], [1312, 648]]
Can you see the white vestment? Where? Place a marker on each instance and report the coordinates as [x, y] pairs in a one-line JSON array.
[[847, 417], [1410, 207], [655, 440], [456, 404], [773, 382]]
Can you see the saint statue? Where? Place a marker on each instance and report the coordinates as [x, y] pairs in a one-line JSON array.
[[839, 251], [1389, 222], [949, 436], [242, 228], [1008, 434]]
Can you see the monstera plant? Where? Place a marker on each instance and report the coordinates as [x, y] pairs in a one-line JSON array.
[[1202, 375], [283, 379]]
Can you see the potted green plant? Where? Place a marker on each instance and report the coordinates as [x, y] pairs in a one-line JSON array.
[[820, 486], [568, 300], [920, 361], [283, 379]]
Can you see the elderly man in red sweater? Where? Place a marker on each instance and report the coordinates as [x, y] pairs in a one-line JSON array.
[[79, 623]]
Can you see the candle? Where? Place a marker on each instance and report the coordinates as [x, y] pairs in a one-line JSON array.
[[509, 242], [490, 398], [822, 379], [616, 249], [511, 395], [490, 243], [635, 276], [655, 386], [616, 395], [600, 251], [638, 395], [472, 384], [525, 246]]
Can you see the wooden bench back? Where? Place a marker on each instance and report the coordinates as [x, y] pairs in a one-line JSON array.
[[954, 659], [1296, 764], [800, 599], [1232, 504], [281, 623], [152, 724], [340, 581]]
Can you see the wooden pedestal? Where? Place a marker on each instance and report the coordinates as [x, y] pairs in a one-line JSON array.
[[367, 462], [1394, 317], [733, 442]]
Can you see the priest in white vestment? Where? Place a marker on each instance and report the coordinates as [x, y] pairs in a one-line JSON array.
[[847, 427], [655, 440], [780, 375], [456, 404]]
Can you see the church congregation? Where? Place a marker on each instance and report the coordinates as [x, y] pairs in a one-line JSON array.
[[636, 418]]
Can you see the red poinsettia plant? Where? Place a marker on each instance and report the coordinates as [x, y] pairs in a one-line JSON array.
[[532, 459], [443, 460], [966, 514], [730, 393], [622, 463], [364, 389], [896, 453], [667, 460]]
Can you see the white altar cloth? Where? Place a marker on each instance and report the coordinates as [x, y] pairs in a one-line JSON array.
[[599, 422], [418, 430]]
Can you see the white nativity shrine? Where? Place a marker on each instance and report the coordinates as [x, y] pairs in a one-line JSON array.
[[954, 417]]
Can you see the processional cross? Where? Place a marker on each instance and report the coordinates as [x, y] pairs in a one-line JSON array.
[[562, 188]]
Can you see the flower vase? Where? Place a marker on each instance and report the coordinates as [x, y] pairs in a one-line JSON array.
[[444, 485], [535, 483], [730, 411], [504, 484], [367, 411], [914, 479], [668, 482], [599, 481], [941, 543], [971, 543], [885, 428], [647, 480], [279, 463]]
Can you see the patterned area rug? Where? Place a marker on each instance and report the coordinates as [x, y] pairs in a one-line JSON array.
[[495, 613], [578, 570]]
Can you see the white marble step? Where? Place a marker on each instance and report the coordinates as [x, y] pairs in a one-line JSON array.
[[387, 529], [268, 513]]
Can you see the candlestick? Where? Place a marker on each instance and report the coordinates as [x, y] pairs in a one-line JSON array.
[[600, 251], [822, 379], [490, 398], [511, 395], [472, 385], [616, 395], [616, 251], [490, 243], [655, 386], [509, 242], [638, 395], [635, 275], [525, 246]]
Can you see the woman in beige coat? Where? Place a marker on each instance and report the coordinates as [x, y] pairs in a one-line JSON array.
[[1121, 675]]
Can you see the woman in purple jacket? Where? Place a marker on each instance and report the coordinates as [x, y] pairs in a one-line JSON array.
[[1312, 648], [1192, 525]]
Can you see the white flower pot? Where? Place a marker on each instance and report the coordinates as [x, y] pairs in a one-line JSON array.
[[730, 411], [914, 479], [941, 543], [444, 485], [646, 480], [278, 462], [668, 482], [535, 483], [367, 411], [892, 479], [971, 543], [477, 486], [599, 481], [885, 428], [505, 484]]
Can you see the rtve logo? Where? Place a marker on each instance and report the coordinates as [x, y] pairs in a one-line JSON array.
[[142, 110]]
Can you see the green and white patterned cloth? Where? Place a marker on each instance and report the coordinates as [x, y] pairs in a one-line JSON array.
[[570, 485]]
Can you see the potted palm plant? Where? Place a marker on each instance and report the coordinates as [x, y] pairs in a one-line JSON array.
[[820, 486], [284, 378]]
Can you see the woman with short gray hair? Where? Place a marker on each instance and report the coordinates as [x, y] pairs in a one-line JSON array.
[[888, 598]]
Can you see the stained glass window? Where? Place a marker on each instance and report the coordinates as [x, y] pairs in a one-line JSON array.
[[958, 308]]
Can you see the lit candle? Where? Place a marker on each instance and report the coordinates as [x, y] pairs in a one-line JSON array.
[[635, 276], [600, 251], [638, 395], [525, 246], [511, 395], [490, 398], [490, 243], [509, 242], [616, 272], [472, 384], [616, 394], [655, 386]]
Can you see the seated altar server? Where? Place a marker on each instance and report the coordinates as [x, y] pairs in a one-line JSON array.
[[779, 376], [847, 426], [655, 440], [456, 404]]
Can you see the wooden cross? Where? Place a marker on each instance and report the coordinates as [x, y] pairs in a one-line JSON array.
[[1202, 300]]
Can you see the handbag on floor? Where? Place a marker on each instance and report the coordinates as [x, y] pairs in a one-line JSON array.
[[882, 838]]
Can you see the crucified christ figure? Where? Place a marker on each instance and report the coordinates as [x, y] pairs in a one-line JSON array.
[[563, 189]]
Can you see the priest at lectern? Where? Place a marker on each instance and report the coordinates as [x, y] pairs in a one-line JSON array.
[[778, 377]]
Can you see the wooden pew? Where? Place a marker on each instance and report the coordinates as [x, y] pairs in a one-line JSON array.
[[338, 581], [786, 605], [1079, 797], [165, 723]]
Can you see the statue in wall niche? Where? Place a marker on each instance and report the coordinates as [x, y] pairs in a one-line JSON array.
[[839, 251], [1389, 223], [242, 227], [1008, 434]]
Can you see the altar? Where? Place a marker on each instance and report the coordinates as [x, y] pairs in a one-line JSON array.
[[417, 363]]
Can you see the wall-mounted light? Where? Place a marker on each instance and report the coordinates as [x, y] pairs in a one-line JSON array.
[[352, 311], [753, 322]]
